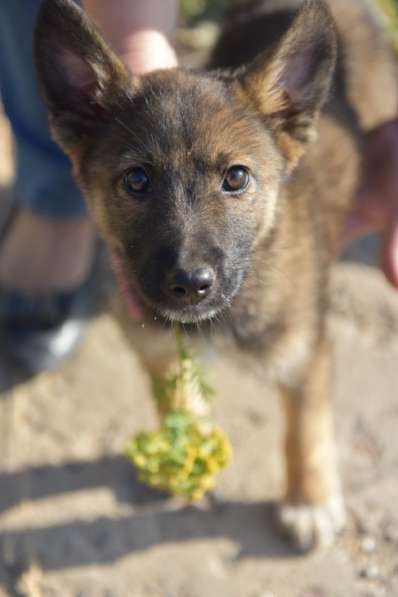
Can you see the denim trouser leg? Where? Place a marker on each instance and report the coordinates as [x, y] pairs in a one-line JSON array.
[[43, 175]]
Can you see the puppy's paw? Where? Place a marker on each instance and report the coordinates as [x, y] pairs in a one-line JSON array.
[[312, 526]]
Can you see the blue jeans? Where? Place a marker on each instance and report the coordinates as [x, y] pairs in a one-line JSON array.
[[44, 181]]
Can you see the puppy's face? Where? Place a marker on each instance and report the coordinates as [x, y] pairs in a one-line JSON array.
[[182, 171], [183, 183]]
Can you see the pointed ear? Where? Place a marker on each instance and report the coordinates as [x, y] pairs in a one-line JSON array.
[[290, 84], [78, 73]]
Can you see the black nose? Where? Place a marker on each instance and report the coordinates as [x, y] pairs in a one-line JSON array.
[[191, 287]]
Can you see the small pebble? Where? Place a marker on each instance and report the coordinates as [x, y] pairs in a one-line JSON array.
[[363, 526], [371, 572], [390, 533], [368, 544]]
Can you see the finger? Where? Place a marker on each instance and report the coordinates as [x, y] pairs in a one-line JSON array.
[[389, 255]]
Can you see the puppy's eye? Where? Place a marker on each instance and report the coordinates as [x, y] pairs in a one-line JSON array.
[[136, 181], [236, 179]]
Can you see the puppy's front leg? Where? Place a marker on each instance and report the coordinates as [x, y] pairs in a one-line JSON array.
[[313, 511]]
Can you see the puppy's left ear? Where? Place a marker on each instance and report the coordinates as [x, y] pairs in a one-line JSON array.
[[289, 85], [79, 74]]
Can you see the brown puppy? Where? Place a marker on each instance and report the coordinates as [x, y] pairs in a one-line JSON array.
[[221, 193]]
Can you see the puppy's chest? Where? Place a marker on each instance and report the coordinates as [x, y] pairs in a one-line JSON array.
[[273, 346]]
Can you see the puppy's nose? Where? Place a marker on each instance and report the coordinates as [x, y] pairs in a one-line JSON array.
[[192, 286]]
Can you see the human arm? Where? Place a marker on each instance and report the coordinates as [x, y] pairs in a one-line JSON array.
[[376, 205]]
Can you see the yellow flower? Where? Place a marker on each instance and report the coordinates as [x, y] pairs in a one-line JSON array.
[[179, 457]]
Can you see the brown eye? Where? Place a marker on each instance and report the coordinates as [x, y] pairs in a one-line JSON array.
[[236, 179], [136, 181]]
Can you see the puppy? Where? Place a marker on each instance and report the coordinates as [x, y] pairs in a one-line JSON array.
[[221, 194]]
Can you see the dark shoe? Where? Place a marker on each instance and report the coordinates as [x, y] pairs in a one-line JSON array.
[[40, 334]]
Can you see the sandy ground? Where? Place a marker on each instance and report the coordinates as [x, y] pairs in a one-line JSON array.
[[74, 521]]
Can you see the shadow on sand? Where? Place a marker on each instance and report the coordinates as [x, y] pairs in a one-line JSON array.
[[103, 540]]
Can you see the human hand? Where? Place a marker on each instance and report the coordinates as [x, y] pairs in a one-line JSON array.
[[139, 32], [376, 206]]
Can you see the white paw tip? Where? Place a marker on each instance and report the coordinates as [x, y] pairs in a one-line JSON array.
[[312, 526]]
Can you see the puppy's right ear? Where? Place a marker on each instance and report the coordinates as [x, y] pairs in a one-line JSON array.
[[79, 74]]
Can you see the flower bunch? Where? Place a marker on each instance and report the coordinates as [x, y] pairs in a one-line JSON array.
[[181, 457], [185, 454]]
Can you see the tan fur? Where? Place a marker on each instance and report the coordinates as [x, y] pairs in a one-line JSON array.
[[308, 168], [309, 442]]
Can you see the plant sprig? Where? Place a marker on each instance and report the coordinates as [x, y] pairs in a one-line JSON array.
[[184, 455]]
